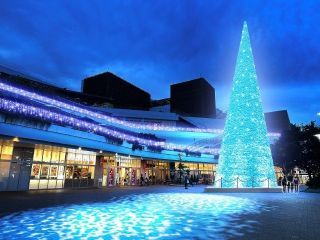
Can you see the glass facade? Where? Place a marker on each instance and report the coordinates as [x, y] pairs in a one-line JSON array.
[[128, 170], [199, 172], [119, 170], [48, 167], [80, 168], [156, 172], [58, 167]]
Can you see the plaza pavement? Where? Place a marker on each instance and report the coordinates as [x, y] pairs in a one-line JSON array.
[[284, 216]]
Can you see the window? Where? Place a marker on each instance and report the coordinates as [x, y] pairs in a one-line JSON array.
[[6, 152], [48, 167]]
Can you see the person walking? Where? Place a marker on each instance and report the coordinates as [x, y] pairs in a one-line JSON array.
[[284, 183], [296, 183], [290, 183], [186, 181], [141, 180]]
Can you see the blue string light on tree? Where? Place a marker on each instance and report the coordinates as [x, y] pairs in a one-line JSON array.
[[245, 157]]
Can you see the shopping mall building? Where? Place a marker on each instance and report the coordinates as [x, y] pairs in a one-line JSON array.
[[110, 134]]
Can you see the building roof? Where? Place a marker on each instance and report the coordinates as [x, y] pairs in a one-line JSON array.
[[192, 81], [113, 77]]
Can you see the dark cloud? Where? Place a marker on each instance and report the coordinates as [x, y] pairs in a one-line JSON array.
[[156, 43]]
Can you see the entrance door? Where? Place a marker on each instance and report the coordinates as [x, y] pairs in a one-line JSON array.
[[20, 169], [14, 174]]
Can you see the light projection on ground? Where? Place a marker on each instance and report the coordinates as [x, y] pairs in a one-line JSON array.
[[146, 216], [245, 157]]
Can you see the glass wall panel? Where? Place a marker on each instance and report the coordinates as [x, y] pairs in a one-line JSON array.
[[46, 156], [53, 172], [43, 184], [6, 152], [52, 183], [38, 151], [34, 184], [92, 160], [78, 159], [60, 183], [71, 158], [86, 159], [60, 172], [35, 171], [44, 173], [55, 155], [62, 156]]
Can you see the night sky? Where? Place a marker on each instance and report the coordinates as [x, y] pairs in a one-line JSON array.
[[156, 43]]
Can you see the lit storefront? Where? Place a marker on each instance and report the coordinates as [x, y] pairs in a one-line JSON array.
[[58, 167], [119, 170], [128, 170], [80, 168], [199, 172], [157, 172], [48, 167], [27, 166]]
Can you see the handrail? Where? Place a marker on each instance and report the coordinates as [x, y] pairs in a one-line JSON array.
[[253, 181]]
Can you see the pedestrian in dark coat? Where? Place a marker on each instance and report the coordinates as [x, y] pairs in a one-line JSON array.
[[186, 181]]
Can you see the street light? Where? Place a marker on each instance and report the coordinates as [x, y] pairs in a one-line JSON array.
[[317, 136]]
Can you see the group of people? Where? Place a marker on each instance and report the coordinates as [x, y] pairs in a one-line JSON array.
[[144, 180], [290, 183]]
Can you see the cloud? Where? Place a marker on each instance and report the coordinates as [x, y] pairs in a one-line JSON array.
[[156, 43]]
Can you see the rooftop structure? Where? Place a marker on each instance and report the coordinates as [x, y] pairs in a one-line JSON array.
[[121, 93], [195, 98]]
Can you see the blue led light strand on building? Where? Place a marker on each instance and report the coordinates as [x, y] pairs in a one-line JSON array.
[[83, 110], [25, 110], [245, 157]]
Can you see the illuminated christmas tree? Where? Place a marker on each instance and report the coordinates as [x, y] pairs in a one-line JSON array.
[[245, 157]]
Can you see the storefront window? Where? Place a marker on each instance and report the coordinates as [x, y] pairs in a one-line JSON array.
[[62, 156], [55, 155], [53, 172], [80, 168], [122, 170], [69, 172], [78, 159], [60, 173], [44, 171], [85, 159], [71, 157], [92, 159], [48, 167], [35, 171], [6, 152], [38, 151], [47, 154]]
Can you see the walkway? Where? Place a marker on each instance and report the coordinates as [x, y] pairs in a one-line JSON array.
[[275, 216]]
